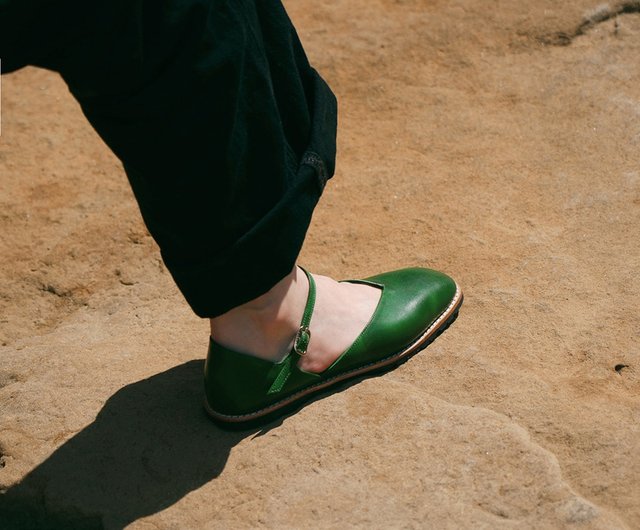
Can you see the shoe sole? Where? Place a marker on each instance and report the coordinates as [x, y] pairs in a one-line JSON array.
[[294, 401]]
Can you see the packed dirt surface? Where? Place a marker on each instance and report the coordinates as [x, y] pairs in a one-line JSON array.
[[497, 141]]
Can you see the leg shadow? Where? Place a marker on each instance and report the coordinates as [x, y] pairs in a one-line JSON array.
[[149, 446]]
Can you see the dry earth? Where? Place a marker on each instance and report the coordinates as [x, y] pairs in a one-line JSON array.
[[494, 140]]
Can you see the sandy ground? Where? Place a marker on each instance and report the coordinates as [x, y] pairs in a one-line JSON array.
[[494, 140]]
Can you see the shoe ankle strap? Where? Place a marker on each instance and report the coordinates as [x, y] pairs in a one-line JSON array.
[[303, 335]]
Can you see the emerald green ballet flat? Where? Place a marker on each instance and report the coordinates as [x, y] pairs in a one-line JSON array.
[[415, 306]]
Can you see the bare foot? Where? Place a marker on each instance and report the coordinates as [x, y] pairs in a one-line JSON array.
[[266, 326]]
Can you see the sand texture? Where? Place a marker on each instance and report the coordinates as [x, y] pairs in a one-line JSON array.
[[495, 140]]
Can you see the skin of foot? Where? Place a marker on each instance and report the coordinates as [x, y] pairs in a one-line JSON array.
[[266, 326]]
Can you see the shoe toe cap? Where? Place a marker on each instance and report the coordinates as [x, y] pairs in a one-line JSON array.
[[412, 300], [417, 292]]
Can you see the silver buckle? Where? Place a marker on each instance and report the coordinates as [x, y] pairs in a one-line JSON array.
[[296, 348]]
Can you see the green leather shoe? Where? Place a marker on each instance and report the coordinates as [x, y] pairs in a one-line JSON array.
[[415, 306]]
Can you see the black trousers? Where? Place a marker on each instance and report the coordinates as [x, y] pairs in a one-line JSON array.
[[226, 133]]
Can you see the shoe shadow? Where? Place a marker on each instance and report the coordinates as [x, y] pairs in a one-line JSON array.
[[149, 446]]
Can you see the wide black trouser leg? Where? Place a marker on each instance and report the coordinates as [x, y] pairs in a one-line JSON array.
[[226, 133]]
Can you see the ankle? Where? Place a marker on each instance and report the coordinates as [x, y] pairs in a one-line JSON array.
[[265, 326]]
